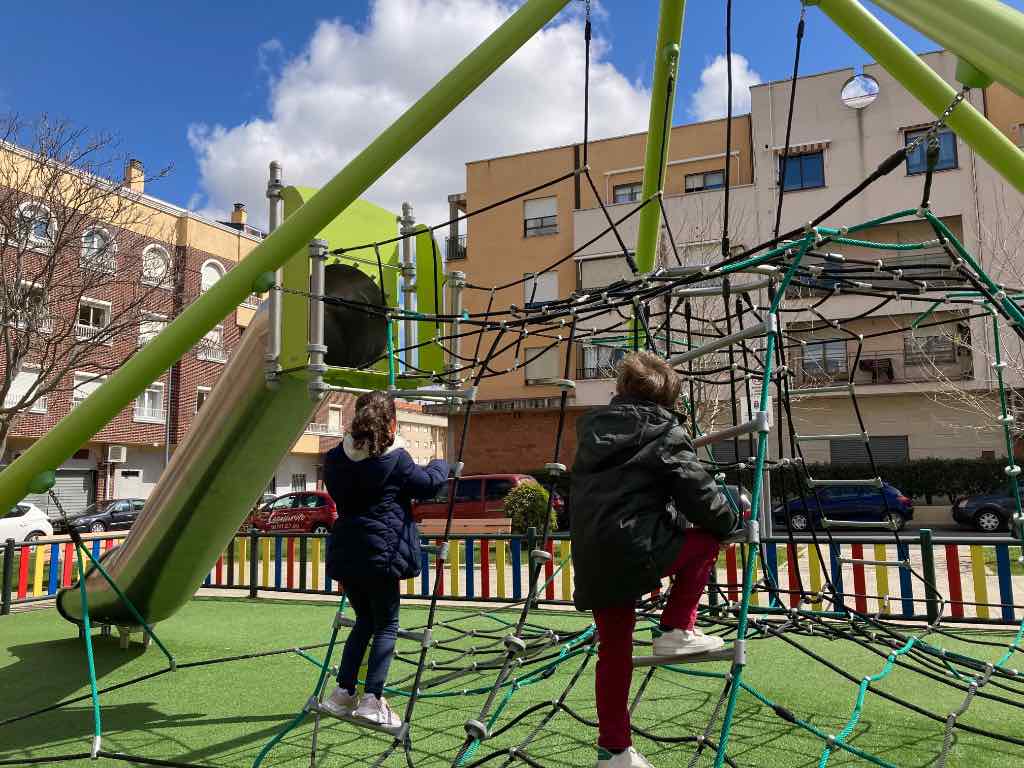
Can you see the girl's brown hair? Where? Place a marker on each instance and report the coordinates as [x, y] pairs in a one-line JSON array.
[[371, 427], [646, 376]]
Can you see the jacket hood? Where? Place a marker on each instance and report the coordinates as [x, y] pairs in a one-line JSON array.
[[611, 435]]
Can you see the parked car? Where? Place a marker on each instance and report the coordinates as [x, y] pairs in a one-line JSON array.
[[860, 503], [111, 515], [24, 522], [987, 512], [299, 512], [477, 497]]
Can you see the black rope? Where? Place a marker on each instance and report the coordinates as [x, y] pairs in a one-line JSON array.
[[789, 128], [728, 127]]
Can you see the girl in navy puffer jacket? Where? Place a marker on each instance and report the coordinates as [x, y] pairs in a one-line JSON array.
[[375, 544]]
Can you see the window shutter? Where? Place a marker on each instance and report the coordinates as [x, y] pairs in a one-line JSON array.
[[599, 273], [886, 450], [536, 209], [546, 288]]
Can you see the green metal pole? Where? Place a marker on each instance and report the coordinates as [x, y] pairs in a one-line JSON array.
[[931, 594], [930, 89], [986, 33], [293, 235], [666, 67]]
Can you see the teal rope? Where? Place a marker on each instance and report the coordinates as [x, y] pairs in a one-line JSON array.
[[97, 730]]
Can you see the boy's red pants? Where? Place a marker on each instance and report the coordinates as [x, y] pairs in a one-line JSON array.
[[691, 568]]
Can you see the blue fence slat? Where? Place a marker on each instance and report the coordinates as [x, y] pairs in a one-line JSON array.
[[424, 574], [516, 547], [906, 583], [834, 553], [1005, 582], [771, 557], [51, 583], [207, 581], [470, 581], [96, 548], [328, 586], [277, 561]]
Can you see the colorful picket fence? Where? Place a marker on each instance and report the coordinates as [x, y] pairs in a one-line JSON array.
[[967, 579]]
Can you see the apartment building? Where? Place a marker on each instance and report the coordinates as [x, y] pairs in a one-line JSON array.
[[923, 393], [152, 268]]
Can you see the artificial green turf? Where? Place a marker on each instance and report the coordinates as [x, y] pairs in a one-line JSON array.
[[223, 714]]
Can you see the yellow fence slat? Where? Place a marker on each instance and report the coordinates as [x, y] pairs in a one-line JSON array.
[[37, 571], [980, 577], [814, 566], [499, 567], [755, 598], [882, 579], [453, 568], [243, 562], [566, 571]]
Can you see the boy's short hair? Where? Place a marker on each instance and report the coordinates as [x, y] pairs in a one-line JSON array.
[[647, 376]]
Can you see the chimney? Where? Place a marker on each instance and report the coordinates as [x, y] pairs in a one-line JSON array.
[[135, 176], [239, 215]]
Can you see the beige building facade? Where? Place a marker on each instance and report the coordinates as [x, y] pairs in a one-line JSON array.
[[925, 392]]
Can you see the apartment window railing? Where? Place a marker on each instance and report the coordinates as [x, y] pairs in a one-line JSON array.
[[252, 301], [42, 324], [885, 366], [86, 332], [317, 428], [99, 263], [455, 248], [211, 351], [143, 413]]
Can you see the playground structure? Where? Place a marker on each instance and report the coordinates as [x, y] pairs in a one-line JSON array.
[[312, 337]]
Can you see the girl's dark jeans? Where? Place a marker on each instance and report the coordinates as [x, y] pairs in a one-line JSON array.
[[375, 602]]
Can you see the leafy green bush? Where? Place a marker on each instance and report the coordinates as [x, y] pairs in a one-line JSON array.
[[935, 480], [526, 504]]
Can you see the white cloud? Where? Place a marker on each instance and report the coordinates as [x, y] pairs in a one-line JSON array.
[[711, 100], [328, 102]]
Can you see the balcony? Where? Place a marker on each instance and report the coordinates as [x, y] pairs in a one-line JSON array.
[[316, 428], [40, 324], [211, 351], [87, 332], [252, 301], [106, 263], [455, 249], [153, 415], [888, 366]]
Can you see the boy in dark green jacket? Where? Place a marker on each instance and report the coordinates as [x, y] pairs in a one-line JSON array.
[[637, 470]]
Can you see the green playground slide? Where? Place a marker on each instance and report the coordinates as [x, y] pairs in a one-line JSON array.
[[214, 478]]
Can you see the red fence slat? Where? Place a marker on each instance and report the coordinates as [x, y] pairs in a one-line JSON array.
[[859, 582], [549, 570], [792, 573], [23, 574], [956, 592], [485, 567], [731, 575]]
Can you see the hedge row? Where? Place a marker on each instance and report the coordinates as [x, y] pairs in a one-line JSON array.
[[934, 480]]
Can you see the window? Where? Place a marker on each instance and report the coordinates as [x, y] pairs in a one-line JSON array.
[[498, 488], [469, 490], [149, 406], [825, 357], [286, 502], [210, 273], [93, 317], [599, 362], [311, 501], [299, 482], [18, 510], [334, 419], [803, 171], [695, 182], [885, 450], [600, 273], [917, 161], [540, 217], [23, 383], [201, 394], [918, 350], [627, 193], [85, 384], [37, 224], [30, 307], [541, 363], [540, 289], [156, 265], [98, 251], [211, 347], [149, 327]]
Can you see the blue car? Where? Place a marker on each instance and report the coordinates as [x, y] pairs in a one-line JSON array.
[[858, 503]]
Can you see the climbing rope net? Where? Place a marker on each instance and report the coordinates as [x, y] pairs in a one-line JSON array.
[[712, 324]]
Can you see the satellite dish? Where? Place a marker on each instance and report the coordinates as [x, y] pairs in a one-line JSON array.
[[354, 336]]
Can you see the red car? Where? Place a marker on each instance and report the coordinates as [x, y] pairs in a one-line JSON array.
[[299, 512], [476, 497]]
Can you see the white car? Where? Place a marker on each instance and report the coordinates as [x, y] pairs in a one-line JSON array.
[[25, 522]]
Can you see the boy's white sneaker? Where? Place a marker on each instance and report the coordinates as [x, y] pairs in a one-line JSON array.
[[378, 712], [683, 642], [628, 759], [340, 703]]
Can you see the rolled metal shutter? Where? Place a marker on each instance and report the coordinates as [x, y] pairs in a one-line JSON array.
[[886, 450], [74, 487]]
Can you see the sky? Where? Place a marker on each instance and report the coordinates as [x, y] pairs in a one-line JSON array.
[[218, 89]]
